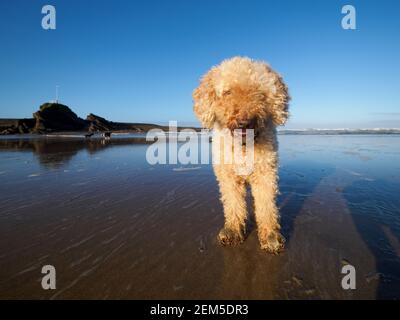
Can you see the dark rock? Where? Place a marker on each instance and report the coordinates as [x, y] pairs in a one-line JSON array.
[[15, 126], [11, 130], [26, 125], [99, 124], [57, 117]]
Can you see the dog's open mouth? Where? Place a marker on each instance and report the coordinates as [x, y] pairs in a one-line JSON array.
[[245, 129], [245, 133]]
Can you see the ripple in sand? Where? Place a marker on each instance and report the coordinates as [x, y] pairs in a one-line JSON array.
[[34, 175], [182, 169]]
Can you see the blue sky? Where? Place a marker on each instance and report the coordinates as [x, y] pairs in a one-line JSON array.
[[139, 61]]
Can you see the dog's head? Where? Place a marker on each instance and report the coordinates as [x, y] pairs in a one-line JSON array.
[[241, 93]]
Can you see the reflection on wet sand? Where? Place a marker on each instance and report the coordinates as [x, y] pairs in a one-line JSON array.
[[55, 152], [116, 227]]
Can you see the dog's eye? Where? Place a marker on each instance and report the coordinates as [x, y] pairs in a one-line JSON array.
[[226, 92]]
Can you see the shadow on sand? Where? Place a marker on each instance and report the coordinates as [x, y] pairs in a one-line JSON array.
[[375, 210], [298, 182], [248, 271]]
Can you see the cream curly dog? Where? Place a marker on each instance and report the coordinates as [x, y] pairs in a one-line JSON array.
[[241, 93]]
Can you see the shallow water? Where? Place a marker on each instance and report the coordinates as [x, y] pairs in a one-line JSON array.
[[116, 227]]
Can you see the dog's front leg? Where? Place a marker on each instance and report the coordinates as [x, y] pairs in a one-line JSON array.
[[264, 190], [233, 194]]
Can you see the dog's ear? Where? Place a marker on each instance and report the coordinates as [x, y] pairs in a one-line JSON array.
[[204, 97], [278, 100]]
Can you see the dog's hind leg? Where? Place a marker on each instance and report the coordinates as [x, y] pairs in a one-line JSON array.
[[233, 194], [264, 189]]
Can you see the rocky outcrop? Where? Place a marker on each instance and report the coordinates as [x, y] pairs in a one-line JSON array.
[[97, 123], [53, 117], [15, 126], [57, 117]]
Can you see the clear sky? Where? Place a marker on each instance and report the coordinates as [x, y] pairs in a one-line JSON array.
[[139, 61]]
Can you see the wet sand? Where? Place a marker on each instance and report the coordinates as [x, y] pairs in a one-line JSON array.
[[116, 227]]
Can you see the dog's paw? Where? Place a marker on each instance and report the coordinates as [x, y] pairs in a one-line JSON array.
[[274, 242], [229, 237]]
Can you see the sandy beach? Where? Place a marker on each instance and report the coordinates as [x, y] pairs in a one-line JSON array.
[[116, 227]]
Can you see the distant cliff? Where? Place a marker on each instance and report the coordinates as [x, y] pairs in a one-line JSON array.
[[56, 117]]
